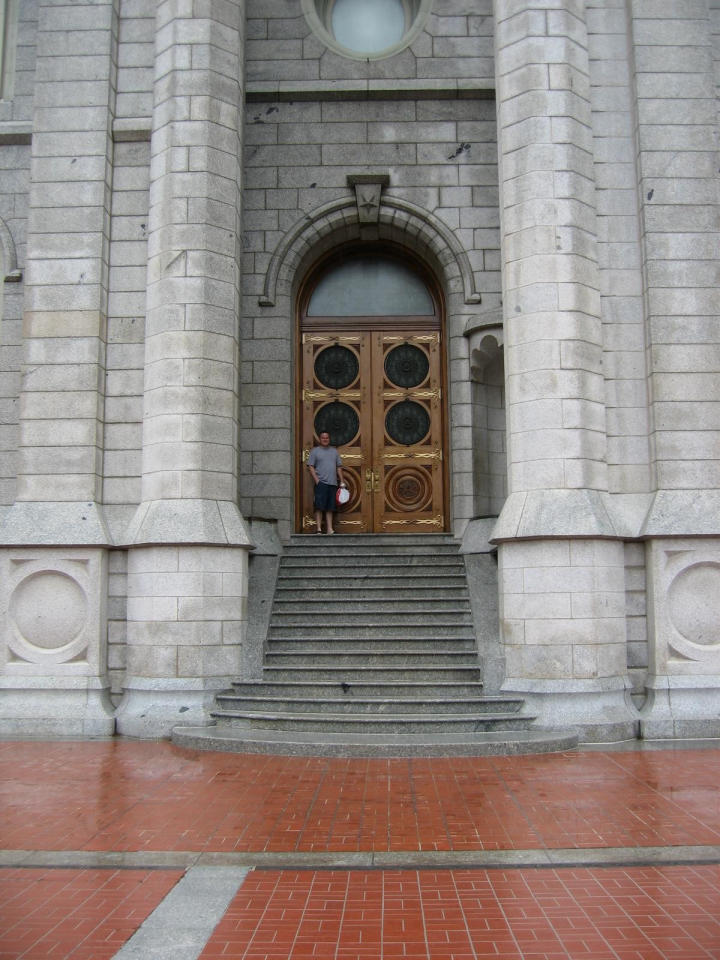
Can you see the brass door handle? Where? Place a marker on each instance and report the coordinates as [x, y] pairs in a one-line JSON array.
[[372, 481]]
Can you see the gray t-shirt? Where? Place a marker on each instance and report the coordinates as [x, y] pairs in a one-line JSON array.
[[325, 460]]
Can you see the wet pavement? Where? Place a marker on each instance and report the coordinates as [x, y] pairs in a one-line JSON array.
[[142, 850]]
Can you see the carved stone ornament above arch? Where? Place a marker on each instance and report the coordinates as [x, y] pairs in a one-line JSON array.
[[8, 258], [392, 218]]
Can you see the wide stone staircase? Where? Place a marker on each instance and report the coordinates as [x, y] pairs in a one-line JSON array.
[[371, 651]]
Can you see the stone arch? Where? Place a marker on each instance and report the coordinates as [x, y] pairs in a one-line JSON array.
[[398, 220]]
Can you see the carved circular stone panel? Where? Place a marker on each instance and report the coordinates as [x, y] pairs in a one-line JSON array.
[[49, 610], [694, 604]]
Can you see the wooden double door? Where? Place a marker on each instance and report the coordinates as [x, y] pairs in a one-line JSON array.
[[379, 394]]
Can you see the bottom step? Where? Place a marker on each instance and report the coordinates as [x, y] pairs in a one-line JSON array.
[[299, 743]]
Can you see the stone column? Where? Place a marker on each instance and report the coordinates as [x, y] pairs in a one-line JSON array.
[[561, 568], [187, 566], [54, 563], [679, 196]]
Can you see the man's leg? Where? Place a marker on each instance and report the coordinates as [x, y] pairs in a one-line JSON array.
[[318, 520], [329, 521]]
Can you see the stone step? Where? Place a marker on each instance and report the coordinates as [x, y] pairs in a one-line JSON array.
[[349, 613], [405, 646], [297, 742], [353, 704], [280, 671], [371, 651], [397, 723], [400, 561], [401, 606], [356, 591], [415, 543], [371, 632], [420, 660], [379, 688], [321, 553], [339, 579]]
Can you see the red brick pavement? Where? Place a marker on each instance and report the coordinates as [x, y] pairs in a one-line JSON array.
[[140, 796], [83, 914], [630, 914], [129, 795]]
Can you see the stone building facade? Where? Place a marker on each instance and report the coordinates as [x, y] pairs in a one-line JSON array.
[[176, 175]]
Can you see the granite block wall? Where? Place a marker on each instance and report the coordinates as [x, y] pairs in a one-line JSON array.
[[602, 182]]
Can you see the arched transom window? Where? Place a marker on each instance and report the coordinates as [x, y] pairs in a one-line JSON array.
[[370, 290]]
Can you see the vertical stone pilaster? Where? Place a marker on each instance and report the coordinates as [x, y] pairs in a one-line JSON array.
[[551, 285], [679, 191], [64, 322], [563, 625], [185, 628], [54, 669]]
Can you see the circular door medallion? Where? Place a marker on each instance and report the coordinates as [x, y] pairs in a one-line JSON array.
[[336, 367], [408, 489], [406, 366], [338, 419], [407, 422]]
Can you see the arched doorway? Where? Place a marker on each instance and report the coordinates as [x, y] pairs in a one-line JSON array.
[[371, 362]]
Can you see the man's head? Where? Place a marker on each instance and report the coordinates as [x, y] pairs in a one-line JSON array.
[[324, 439]]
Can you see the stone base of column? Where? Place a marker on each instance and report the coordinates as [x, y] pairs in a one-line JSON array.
[[186, 630], [55, 707], [153, 707], [681, 708], [562, 617], [600, 710]]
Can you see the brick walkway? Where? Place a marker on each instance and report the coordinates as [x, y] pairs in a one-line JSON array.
[[596, 855]]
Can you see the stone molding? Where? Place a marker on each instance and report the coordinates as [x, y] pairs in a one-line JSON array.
[[548, 514], [79, 524], [380, 88], [189, 522], [680, 513], [541, 514], [16, 132]]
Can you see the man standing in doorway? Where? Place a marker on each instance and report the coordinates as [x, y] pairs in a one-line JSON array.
[[325, 467]]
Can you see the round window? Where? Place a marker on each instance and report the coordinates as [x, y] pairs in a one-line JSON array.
[[366, 29]]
